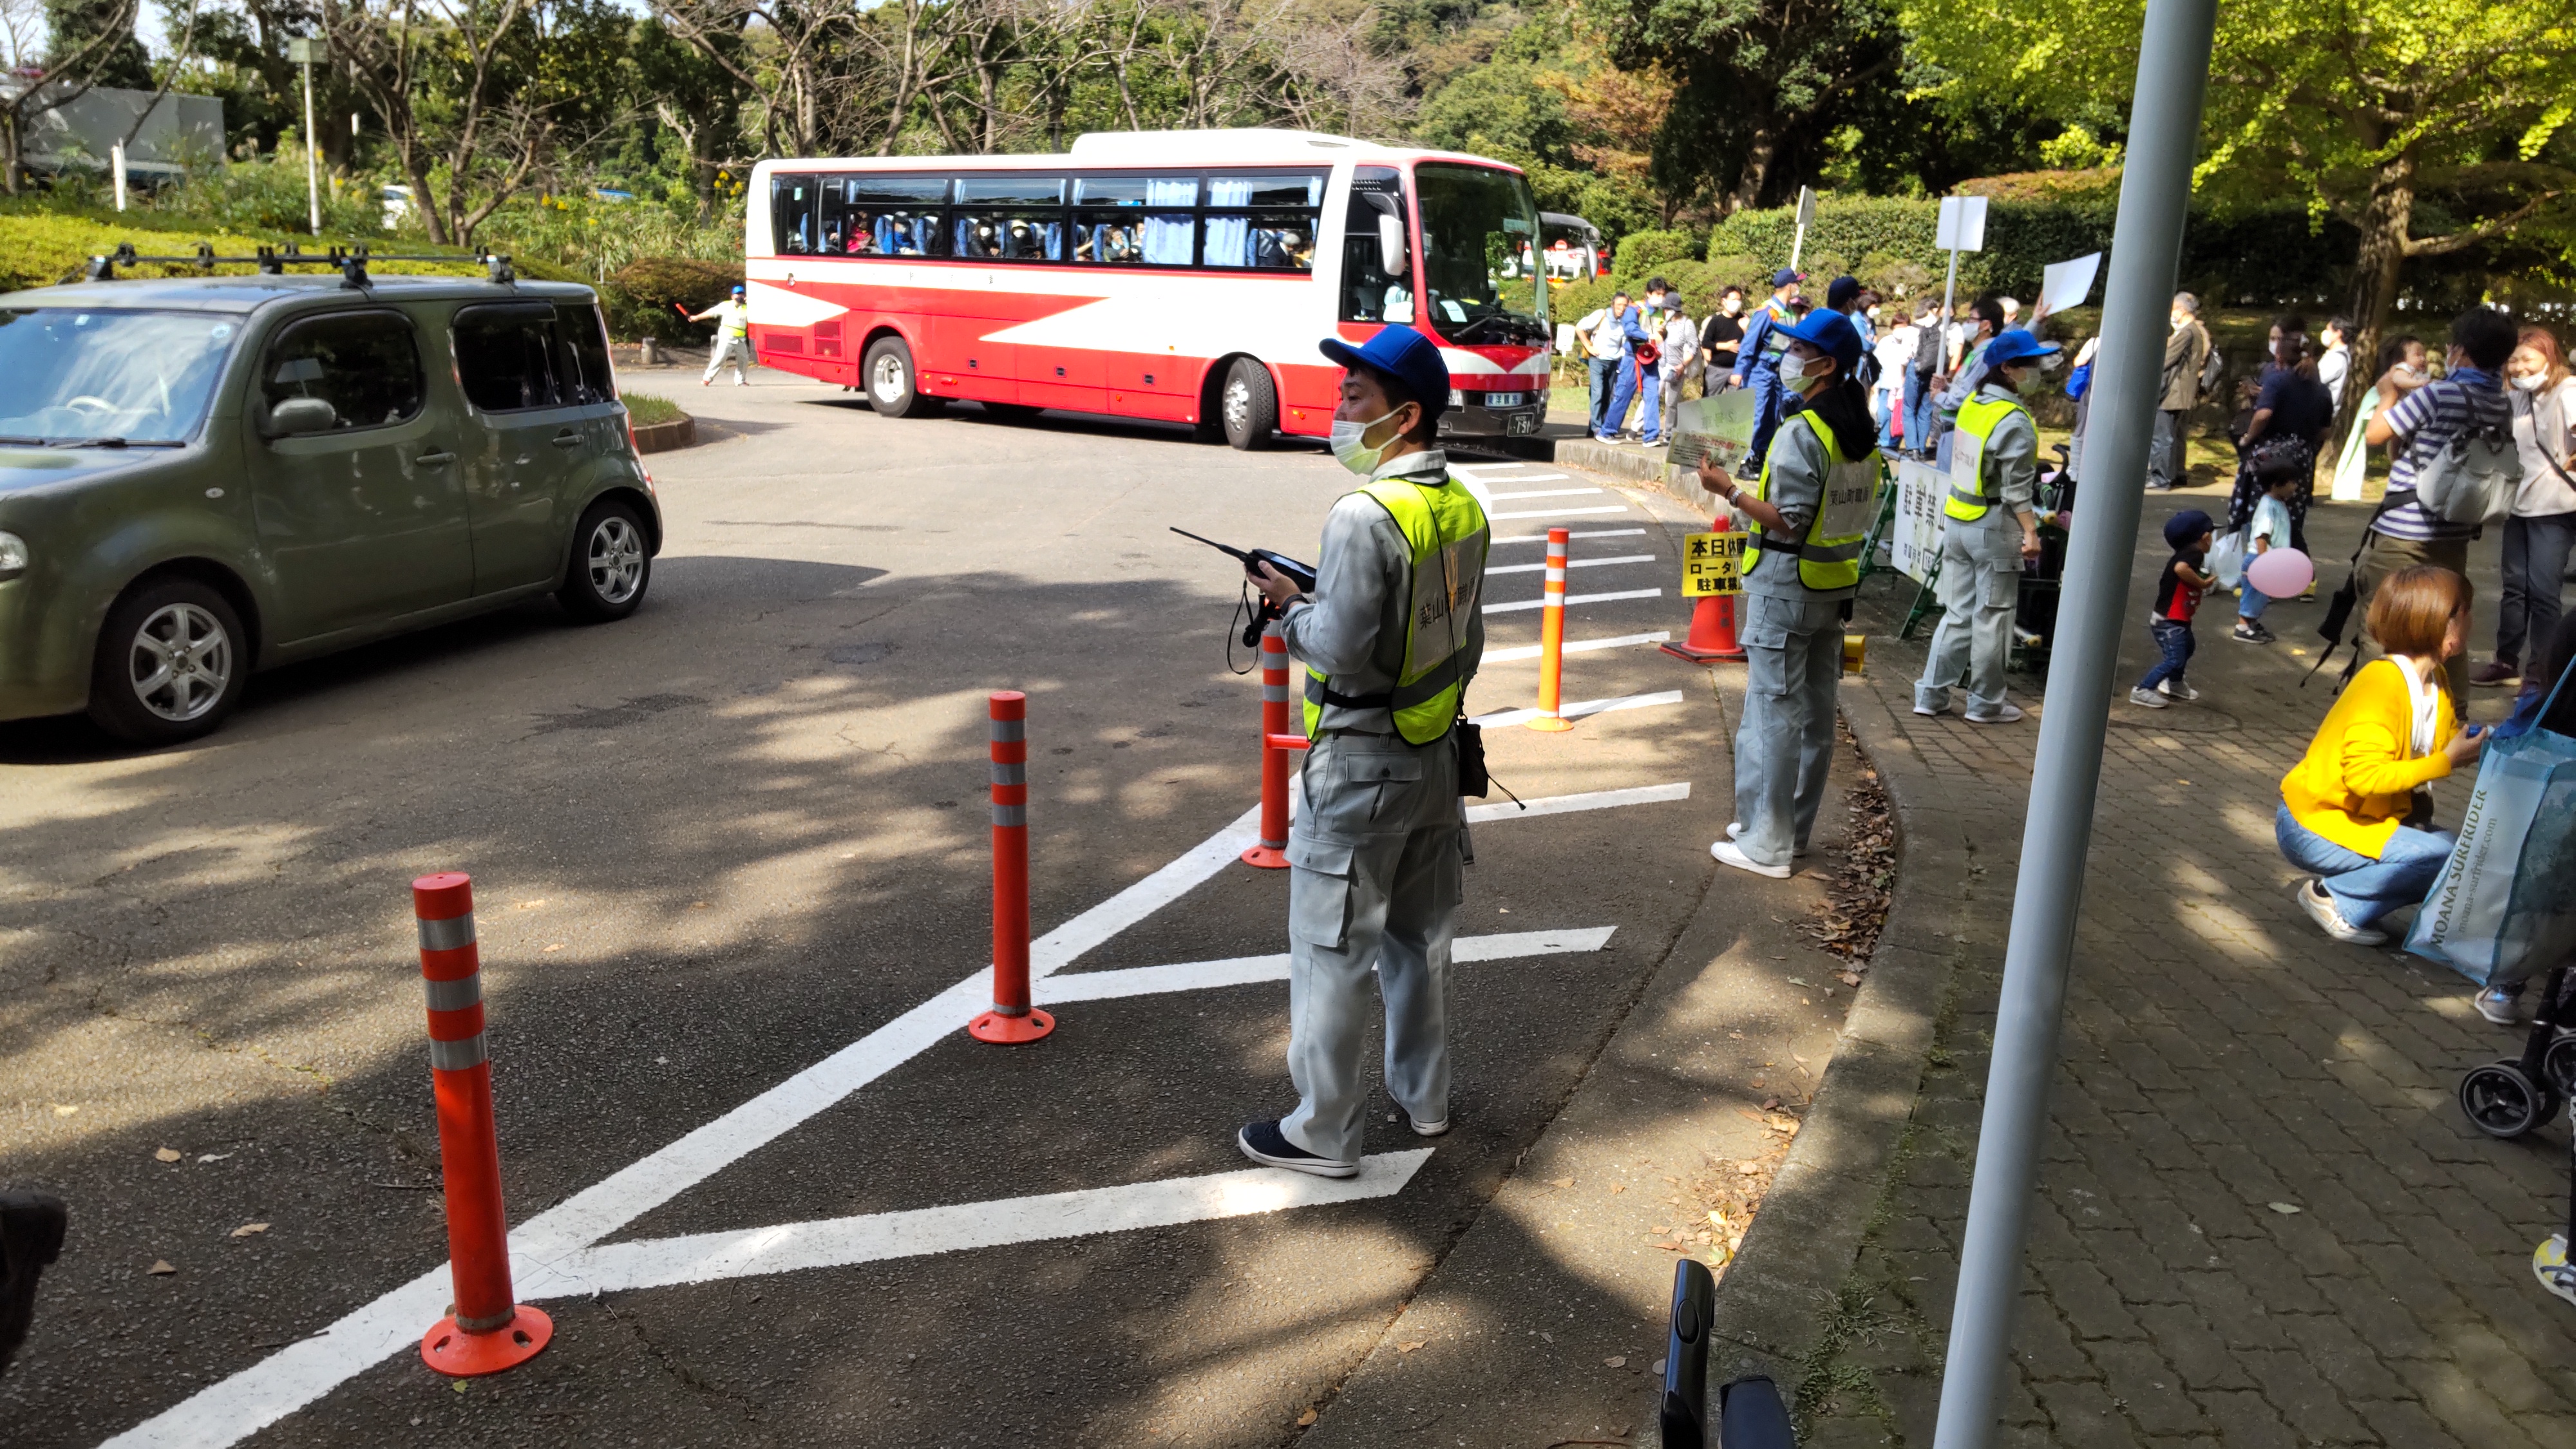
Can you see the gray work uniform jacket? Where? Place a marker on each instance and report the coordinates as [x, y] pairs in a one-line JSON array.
[[1797, 463], [2013, 454], [1352, 629]]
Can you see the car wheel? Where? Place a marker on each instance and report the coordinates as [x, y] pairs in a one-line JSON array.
[[612, 563], [172, 663], [1249, 406], [890, 381]]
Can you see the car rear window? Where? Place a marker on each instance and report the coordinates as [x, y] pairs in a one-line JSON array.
[[523, 355], [366, 365]]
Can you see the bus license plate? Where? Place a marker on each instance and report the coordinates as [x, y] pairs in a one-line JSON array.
[[1505, 399], [1524, 423]]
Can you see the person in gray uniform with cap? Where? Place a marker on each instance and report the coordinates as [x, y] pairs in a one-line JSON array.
[[1810, 510], [1992, 526], [1389, 642]]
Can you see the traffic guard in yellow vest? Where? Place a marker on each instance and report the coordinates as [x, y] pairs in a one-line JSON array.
[[1809, 511], [1991, 528], [1389, 642]]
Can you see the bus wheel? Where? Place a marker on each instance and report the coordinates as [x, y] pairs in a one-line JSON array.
[[888, 377], [1249, 405]]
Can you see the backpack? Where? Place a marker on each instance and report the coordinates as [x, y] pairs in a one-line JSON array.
[[2470, 479], [2212, 371]]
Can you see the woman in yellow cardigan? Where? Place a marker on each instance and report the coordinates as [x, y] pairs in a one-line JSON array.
[[2349, 810]]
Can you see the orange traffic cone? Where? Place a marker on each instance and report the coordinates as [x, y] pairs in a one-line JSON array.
[[1712, 633]]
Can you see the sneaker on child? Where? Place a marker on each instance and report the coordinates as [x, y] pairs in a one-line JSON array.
[[2147, 697]]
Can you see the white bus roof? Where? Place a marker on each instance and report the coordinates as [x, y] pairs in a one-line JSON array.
[[1246, 146]]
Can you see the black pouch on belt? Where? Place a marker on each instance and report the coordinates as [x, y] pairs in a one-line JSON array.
[[1472, 779]]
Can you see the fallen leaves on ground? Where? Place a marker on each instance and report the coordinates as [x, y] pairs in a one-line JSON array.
[[1410, 1347], [168, 1154], [1616, 1360], [1560, 1182], [1306, 1418], [160, 1268], [249, 1229], [2285, 1208], [1848, 920]]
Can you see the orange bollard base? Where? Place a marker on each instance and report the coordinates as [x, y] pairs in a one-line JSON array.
[[1265, 857], [461, 1355], [1548, 724], [1712, 633], [993, 1026]]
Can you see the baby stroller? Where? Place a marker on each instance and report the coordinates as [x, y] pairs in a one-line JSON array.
[[2508, 1098]]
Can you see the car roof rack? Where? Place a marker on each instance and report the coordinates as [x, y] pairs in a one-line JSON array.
[[351, 262]]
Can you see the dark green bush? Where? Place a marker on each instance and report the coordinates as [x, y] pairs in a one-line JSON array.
[[640, 296], [2263, 257]]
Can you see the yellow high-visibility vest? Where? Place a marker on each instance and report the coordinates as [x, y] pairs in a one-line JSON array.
[[1444, 585], [1978, 419], [1829, 556]]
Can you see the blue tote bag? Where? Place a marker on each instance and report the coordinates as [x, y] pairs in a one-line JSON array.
[[2504, 907]]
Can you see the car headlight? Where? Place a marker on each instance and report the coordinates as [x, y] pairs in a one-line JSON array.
[[1457, 399], [13, 556]]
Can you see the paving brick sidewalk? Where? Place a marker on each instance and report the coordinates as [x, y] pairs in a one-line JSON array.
[[2261, 1217]]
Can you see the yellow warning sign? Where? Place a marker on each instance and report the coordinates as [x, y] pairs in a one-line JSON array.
[[1712, 563]]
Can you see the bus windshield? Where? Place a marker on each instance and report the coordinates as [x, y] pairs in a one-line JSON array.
[[1480, 263]]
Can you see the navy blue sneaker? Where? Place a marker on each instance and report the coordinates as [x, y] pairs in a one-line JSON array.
[[1264, 1143]]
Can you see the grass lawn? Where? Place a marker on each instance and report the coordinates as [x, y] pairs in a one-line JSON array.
[[646, 409]]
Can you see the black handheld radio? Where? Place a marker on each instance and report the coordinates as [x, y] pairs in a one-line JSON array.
[[1302, 575]]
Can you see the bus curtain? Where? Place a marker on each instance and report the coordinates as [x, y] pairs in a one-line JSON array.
[[1229, 237]]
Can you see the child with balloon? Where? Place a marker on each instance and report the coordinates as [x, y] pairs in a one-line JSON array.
[[2268, 532]]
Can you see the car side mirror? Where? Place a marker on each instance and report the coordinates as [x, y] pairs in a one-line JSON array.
[[300, 415], [1390, 245]]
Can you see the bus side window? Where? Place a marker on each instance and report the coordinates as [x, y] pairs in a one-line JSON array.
[[1369, 292], [1275, 228], [792, 210]]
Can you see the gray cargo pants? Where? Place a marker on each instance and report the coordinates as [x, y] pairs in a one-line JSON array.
[[1784, 747], [1980, 584], [1374, 880]]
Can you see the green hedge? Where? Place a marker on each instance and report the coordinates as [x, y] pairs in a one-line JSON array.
[[640, 297], [2265, 257]]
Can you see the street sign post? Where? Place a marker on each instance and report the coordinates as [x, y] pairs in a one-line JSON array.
[[1806, 218], [1962, 228], [2057, 832], [309, 51]]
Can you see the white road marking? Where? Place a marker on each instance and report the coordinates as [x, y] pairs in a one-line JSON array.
[[1556, 512], [875, 1237], [1250, 970], [276, 1386], [1540, 492], [1575, 646], [1577, 711], [1578, 563], [1573, 599], [232, 1409], [1583, 533], [1568, 804]]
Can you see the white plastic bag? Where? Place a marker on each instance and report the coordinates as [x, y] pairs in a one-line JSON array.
[[2227, 560]]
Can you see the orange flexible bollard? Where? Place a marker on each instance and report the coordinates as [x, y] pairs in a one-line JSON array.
[[1272, 852], [1012, 1019], [487, 1330], [1551, 639]]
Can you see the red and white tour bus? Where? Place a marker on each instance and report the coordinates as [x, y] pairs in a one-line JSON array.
[[1184, 276]]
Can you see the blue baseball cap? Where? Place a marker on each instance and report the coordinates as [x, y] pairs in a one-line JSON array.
[[1784, 277], [1831, 333], [737, 291], [2185, 526], [1403, 354], [2017, 346]]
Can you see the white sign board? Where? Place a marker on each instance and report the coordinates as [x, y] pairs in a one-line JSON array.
[[1806, 206], [1914, 538], [2067, 284], [1963, 224]]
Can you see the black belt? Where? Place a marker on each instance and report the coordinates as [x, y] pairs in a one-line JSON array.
[[1383, 700]]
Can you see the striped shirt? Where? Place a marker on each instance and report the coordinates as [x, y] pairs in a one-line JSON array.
[[2427, 420]]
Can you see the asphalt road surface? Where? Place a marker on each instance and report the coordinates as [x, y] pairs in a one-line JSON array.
[[731, 865]]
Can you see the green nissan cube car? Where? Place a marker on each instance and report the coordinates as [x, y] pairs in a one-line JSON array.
[[204, 476]]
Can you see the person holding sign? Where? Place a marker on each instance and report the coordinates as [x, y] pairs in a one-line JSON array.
[[1809, 511], [1990, 529]]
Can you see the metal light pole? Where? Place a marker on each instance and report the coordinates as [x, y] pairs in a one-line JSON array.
[[308, 52], [2155, 192]]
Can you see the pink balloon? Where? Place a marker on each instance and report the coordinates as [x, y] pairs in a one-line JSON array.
[[2280, 573]]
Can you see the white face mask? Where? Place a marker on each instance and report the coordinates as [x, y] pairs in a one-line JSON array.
[[1353, 454], [1734, 305], [2531, 381], [1796, 375]]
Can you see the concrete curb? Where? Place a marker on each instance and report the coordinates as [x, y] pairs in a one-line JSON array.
[[1779, 1299], [680, 432]]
